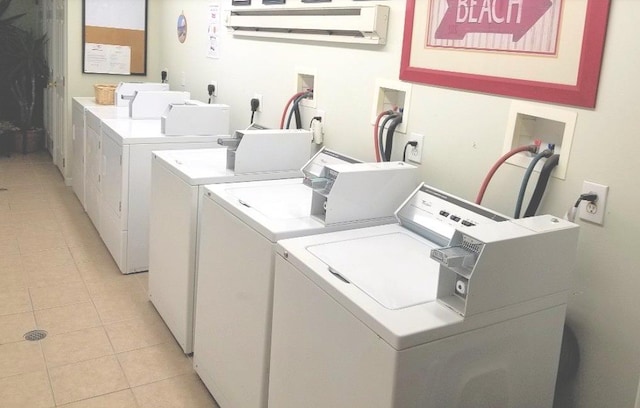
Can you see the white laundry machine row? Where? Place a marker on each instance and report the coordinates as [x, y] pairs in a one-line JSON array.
[[125, 184], [86, 118], [117, 166], [177, 179], [456, 306], [79, 108], [92, 159], [240, 225]]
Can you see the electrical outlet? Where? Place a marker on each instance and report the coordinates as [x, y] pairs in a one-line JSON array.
[[414, 154], [259, 98], [215, 87], [594, 212]]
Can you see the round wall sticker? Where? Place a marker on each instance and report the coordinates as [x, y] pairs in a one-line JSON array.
[[182, 28]]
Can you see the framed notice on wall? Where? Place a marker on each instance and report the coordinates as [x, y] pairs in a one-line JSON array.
[[546, 50], [114, 37]]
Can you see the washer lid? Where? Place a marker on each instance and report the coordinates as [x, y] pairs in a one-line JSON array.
[[394, 269], [282, 201]]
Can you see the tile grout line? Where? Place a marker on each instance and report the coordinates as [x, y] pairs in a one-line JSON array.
[[58, 211], [44, 358]]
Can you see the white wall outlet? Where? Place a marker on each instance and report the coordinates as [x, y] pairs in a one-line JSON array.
[[215, 87], [594, 212], [414, 154], [259, 98]]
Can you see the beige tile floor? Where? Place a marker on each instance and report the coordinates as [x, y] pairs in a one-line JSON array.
[[106, 344]]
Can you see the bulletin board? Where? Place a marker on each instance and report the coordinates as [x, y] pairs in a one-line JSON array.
[[114, 37]]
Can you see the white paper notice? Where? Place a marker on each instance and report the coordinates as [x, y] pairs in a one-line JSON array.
[[120, 59], [213, 31], [107, 59]]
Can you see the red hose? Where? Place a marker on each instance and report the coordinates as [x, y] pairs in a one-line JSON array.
[[497, 164], [375, 134], [286, 107]]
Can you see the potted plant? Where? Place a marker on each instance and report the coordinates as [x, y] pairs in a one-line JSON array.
[[27, 77], [25, 71], [7, 137]]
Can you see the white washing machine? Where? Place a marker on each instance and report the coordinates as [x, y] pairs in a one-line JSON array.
[[456, 306], [240, 225], [177, 179]]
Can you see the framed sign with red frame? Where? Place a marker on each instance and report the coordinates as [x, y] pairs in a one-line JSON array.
[[545, 50]]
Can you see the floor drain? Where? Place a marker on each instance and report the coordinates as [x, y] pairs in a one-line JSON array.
[[35, 335]]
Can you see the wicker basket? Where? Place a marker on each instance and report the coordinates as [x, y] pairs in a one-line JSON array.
[[105, 94]]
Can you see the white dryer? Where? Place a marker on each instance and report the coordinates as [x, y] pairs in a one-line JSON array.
[[456, 306], [177, 179], [240, 225]]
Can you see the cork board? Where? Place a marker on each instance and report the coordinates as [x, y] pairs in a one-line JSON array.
[[115, 36]]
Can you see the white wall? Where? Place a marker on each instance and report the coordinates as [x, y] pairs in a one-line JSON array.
[[463, 136], [79, 84]]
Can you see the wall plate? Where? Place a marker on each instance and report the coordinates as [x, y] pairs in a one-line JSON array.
[[528, 122], [389, 94]]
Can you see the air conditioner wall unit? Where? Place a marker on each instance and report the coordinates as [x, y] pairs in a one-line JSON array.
[[355, 24]]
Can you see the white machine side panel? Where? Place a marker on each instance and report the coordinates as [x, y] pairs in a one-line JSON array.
[[92, 176], [94, 157], [257, 153], [321, 355], [92, 204], [113, 236], [92, 121], [139, 186], [113, 177], [512, 364], [78, 160], [233, 315], [172, 249]]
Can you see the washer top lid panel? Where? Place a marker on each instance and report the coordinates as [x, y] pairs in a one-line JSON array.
[[277, 209], [196, 166], [209, 166], [394, 269], [282, 201]]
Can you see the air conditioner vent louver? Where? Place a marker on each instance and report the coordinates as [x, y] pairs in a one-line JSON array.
[[357, 24]]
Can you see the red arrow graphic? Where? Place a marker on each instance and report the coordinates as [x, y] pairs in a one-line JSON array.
[[490, 16]]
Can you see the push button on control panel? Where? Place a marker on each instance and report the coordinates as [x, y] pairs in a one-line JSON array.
[[468, 223], [454, 218], [444, 213]]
